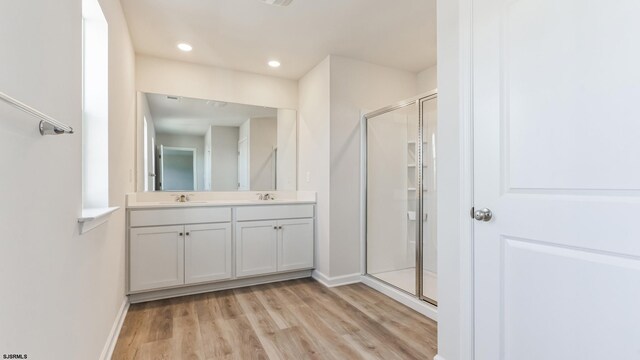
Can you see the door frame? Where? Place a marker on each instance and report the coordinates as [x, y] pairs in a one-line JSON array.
[[195, 162], [466, 188]]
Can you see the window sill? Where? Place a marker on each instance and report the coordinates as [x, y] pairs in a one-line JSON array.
[[92, 218]]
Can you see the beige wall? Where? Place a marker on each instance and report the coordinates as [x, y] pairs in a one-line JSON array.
[[61, 290], [170, 77]]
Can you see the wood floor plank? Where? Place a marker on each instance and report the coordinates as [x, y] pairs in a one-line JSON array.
[[215, 344], [394, 322], [375, 332], [186, 332], [243, 339], [229, 304], [270, 298], [161, 325], [298, 319], [133, 333]]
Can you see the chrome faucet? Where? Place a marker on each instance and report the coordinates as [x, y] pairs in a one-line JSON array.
[[266, 196], [182, 198]]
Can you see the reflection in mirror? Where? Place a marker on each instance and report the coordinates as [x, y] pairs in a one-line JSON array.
[[190, 144]]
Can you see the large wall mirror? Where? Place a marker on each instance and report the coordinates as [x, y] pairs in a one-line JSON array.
[[187, 144]]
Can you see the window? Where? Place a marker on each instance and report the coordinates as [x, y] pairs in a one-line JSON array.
[[95, 117]]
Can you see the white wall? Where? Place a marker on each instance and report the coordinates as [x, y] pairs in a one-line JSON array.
[[61, 291], [207, 160], [263, 139], [143, 111], [313, 151], [453, 340], [355, 86], [170, 77], [224, 158], [287, 149], [186, 141], [428, 79]]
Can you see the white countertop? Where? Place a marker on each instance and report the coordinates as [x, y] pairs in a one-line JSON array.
[[202, 199]]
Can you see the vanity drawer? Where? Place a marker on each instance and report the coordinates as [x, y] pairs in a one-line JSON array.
[[179, 216], [273, 212]]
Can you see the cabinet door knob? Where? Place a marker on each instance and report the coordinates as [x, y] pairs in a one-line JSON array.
[[181, 234], [275, 228], [187, 234], [280, 227]]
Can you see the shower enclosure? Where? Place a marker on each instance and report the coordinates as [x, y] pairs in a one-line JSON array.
[[400, 196]]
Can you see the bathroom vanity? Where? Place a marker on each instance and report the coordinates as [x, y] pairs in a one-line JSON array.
[[215, 241]]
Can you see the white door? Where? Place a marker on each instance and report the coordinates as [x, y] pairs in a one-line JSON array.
[[243, 164], [557, 150], [295, 244], [156, 257], [207, 250], [256, 248]]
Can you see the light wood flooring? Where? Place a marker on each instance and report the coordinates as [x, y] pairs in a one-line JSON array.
[[298, 319]]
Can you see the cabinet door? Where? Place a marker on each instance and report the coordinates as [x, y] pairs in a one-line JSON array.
[[256, 248], [156, 257], [295, 244], [207, 252]]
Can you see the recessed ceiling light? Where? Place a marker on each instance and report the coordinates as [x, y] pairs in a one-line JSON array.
[[274, 63], [217, 104], [185, 47], [277, 2]]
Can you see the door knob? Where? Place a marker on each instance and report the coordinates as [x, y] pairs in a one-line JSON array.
[[483, 215]]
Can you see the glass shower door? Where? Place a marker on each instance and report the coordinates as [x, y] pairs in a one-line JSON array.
[[428, 114], [391, 196]]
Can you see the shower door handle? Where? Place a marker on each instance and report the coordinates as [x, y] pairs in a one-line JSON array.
[[483, 215]]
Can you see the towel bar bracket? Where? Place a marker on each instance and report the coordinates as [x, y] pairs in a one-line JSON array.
[[49, 129]]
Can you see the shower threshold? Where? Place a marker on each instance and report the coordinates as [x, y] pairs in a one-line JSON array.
[[405, 279]]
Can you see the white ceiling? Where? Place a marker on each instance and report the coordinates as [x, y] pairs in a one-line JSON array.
[[194, 116], [245, 34]]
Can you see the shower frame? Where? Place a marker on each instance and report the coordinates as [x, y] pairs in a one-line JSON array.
[[419, 102]]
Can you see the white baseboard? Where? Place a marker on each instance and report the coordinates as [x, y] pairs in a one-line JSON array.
[[438, 357], [337, 280], [410, 301], [107, 351]]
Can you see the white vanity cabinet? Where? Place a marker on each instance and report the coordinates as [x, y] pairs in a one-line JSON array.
[[156, 257], [207, 253], [256, 248], [295, 244], [274, 238], [168, 247], [174, 251]]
